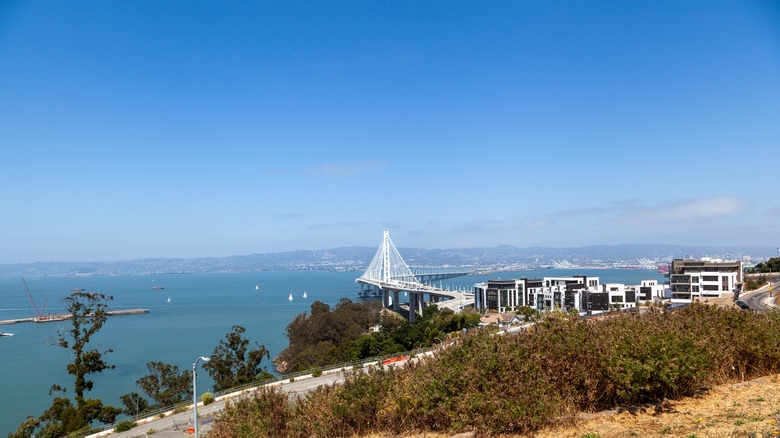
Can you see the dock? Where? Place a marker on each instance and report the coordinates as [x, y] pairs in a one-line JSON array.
[[65, 316]]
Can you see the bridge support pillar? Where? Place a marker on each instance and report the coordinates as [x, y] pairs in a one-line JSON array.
[[396, 307], [412, 306], [385, 298]]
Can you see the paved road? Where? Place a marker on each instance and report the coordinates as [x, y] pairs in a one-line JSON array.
[[759, 300], [176, 425]]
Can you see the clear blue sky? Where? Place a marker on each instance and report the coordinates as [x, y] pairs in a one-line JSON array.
[[139, 129]]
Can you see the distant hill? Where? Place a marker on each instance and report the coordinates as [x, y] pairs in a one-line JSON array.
[[357, 258]]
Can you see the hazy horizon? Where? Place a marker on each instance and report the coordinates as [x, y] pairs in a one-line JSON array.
[[769, 249]]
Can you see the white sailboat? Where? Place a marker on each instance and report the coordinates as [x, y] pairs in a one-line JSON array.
[[290, 298], [257, 287], [304, 294], [168, 300]]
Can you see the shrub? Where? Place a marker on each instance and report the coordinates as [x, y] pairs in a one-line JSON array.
[[124, 426], [266, 413], [317, 372], [207, 398]]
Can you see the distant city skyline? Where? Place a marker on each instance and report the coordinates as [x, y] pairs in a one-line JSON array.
[[185, 130]]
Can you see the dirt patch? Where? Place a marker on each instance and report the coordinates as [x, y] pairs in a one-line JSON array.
[[720, 302]]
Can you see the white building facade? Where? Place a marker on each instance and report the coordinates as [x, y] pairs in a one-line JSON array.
[[585, 294], [692, 279]]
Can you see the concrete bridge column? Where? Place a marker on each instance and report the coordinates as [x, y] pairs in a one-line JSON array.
[[385, 298], [412, 306], [395, 300]]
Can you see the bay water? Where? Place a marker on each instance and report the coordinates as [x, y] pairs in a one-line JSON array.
[[188, 315]]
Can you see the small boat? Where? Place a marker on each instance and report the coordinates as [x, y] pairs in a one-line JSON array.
[[168, 300], [5, 334], [290, 298], [304, 294], [257, 287], [158, 287]]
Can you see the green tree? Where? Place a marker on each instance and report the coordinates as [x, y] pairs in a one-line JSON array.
[[326, 336], [233, 363], [164, 384], [773, 265], [135, 404], [88, 313]]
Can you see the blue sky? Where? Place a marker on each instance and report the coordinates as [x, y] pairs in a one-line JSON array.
[[189, 128]]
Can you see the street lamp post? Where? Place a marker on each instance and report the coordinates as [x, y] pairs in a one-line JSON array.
[[195, 391]]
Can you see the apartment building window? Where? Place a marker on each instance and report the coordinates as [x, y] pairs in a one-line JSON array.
[[694, 288], [695, 279], [710, 278], [616, 299]]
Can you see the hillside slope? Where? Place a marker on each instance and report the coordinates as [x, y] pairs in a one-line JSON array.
[[749, 409]]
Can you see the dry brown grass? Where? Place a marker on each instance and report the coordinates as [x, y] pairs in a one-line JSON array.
[[749, 409]]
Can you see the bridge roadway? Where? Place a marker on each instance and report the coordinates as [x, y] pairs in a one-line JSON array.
[[449, 299]]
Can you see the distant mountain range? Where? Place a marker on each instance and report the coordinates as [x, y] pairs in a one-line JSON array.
[[358, 258]]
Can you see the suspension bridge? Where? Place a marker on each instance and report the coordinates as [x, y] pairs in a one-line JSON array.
[[389, 275]]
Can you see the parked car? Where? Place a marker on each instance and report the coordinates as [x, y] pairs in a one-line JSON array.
[[742, 305]]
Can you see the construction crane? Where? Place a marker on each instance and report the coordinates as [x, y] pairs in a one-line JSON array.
[[38, 313]]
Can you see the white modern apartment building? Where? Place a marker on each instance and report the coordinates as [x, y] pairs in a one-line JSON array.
[[583, 293], [691, 279]]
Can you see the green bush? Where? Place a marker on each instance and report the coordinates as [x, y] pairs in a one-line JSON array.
[[207, 398], [317, 372], [124, 426]]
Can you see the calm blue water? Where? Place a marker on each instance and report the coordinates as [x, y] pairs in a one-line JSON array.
[[203, 308]]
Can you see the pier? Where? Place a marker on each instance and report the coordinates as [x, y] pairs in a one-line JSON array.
[[65, 316]]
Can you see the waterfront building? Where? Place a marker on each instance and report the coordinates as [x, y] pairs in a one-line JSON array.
[[500, 295], [692, 279], [582, 293], [650, 290], [564, 293], [620, 296], [542, 294]]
